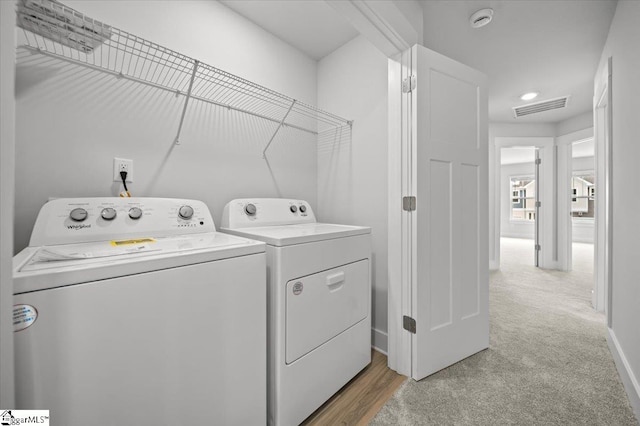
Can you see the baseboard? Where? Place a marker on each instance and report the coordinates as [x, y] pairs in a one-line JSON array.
[[379, 340], [626, 374]]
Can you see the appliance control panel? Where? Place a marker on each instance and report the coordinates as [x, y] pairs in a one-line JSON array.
[[75, 220], [254, 212]]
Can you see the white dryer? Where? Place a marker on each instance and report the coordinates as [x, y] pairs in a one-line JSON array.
[[319, 311], [136, 311]]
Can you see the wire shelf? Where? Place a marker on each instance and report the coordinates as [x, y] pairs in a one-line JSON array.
[[53, 29]]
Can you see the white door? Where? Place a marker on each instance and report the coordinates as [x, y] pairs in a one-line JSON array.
[[448, 230]]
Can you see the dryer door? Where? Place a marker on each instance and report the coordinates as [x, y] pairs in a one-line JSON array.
[[323, 305]]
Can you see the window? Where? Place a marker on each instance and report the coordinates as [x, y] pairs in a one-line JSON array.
[[523, 198], [583, 195]]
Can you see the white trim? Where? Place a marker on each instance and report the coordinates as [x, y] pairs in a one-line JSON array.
[[382, 23], [495, 195], [575, 137], [629, 380], [380, 351], [379, 340], [564, 144], [603, 284], [395, 350]]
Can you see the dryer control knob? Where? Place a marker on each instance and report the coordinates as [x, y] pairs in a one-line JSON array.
[[79, 214], [303, 208], [185, 212], [108, 213], [250, 209], [135, 213], [294, 209]]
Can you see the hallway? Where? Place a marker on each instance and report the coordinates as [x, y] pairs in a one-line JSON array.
[[548, 362]]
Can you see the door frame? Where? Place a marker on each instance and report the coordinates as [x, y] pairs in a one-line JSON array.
[[546, 187], [603, 136], [564, 145], [399, 249]]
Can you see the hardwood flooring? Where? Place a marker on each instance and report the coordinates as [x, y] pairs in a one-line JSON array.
[[360, 399]]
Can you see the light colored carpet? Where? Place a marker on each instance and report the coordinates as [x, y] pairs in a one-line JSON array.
[[548, 361]]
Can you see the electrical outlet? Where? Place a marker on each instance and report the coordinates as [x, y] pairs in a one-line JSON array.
[[122, 165]]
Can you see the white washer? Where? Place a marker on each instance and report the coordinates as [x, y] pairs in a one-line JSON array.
[[135, 311], [319, 301]]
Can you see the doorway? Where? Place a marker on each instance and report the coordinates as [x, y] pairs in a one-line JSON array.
[[537, 226], [519, 205], [582, 193]]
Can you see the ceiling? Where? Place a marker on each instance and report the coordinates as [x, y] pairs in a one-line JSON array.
[[550, 47], [311, 26]]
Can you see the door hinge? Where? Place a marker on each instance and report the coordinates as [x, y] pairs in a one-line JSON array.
[[409, 324], [409, 84], [538, 160], [409, 203], [538, 204], [538, 248]]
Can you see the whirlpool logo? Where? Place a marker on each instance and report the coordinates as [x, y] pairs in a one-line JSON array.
[[78, 227]]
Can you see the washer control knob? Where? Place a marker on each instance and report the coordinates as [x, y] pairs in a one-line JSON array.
[[108, 213], [185, 212], [79, 214], [303, 208], [250, 209], [293, 209], [135, 213]]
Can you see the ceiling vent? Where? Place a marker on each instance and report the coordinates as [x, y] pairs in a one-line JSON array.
[[541, 106]]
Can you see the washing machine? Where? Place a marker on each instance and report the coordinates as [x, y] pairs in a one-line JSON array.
[[319, 302], [136, 311]]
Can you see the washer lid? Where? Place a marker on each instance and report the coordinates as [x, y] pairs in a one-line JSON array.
[[286, 235], [39, 268]]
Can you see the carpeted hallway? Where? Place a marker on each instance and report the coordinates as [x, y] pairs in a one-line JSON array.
[[548, 363]]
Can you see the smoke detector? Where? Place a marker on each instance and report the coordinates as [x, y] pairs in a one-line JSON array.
[[481, 18]]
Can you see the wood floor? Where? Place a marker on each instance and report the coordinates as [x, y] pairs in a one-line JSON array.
[[360, 400]]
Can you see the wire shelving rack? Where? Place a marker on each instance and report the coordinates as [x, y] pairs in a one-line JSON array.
[[55, 30]]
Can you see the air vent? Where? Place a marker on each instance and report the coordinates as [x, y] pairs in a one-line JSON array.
[[541, 106]]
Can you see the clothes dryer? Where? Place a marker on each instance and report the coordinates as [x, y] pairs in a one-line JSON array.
[[319, 312]]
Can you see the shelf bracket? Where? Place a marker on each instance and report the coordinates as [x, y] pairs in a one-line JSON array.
[[186, 101], [264, 151]]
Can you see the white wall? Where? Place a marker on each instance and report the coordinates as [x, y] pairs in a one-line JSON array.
[[7, 147], [352, 174], [514, 228], [573, 124], [622, 45], [71, 121]]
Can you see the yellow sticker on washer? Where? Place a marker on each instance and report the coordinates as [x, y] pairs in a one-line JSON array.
[[129, 242]]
